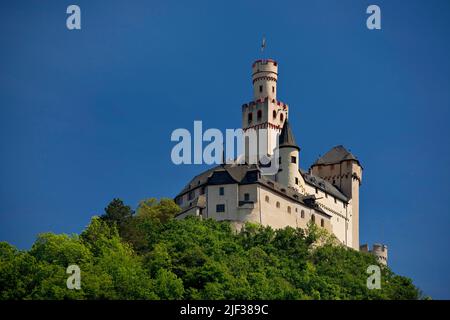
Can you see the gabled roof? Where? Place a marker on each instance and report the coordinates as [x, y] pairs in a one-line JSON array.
[[287, 137], [323, 185], [335, 156]]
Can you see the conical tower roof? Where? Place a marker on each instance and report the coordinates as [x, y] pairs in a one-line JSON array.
[[287, 137]]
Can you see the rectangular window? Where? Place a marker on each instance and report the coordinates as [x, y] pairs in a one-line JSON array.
[[293, 159], [191, 195], [273, 89], [296, 180], [260, 88], [221, 191], [220, 208], [317, 190], [246, 197]]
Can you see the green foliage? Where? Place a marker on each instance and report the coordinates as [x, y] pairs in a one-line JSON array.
[[150, 255]]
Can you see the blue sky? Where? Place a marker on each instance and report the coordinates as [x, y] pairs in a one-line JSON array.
[[86, 116]]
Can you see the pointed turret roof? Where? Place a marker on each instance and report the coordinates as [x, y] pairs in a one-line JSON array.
[[287, 137], [336, 155]]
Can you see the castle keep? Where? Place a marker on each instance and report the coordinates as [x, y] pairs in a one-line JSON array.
[[327, 194]]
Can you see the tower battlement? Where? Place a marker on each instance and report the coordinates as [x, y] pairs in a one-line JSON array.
[[380, 251], [264, 78]]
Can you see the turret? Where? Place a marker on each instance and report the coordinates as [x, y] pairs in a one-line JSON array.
[[342, 169], [265, 76], [288, 173], [264, 116]]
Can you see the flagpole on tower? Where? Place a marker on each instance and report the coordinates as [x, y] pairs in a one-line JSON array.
[[263, 46]]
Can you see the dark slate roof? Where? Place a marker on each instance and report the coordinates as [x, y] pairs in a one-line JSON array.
[[287, 137], [248, 174], [323, 185], [335, 156]]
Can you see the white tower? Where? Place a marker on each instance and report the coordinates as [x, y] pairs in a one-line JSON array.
[[265, 111], [288, 173]]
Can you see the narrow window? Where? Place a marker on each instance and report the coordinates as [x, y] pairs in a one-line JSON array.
[[274, 114], [335, 201], [326, 195], [250, 117], [246, 196], [260, 88], [293, 159], [313, 219], [267, 198], [278, 204], [220, 208], [281, 117], [273, 89], [289, 209], [296, 180], [322, 223], [279, 160], [302, 214], [221, 191], [317, 190], [259, 114]]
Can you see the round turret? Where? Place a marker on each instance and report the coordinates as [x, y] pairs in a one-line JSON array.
[[265, 76]]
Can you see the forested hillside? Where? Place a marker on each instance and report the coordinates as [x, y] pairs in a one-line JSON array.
[[149, 255]]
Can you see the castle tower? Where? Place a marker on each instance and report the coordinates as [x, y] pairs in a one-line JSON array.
[[342, 169], [380, 251], [263, 117], [288, 173]]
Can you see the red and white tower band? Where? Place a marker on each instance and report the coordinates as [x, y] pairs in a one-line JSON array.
[[265, 111]]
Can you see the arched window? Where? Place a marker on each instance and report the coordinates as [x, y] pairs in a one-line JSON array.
[[281, 117], [267, 198], [259, 115], [274, 114], [313, 219], [302, 214], [278, 204], [322, 223], [250, 117], [289, 209]]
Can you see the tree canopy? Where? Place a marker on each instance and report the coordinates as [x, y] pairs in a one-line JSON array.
[[151, 255]]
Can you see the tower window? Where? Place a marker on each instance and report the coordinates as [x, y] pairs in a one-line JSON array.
[[273, 89], [250, 117], [259, 115], [278, 204], [281, 117], [260, 88], [274, 114], [221, 191], [296, 180], [293, 159], [246, 196], [220, 208]]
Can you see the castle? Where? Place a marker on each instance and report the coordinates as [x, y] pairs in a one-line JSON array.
[[327, 194]]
